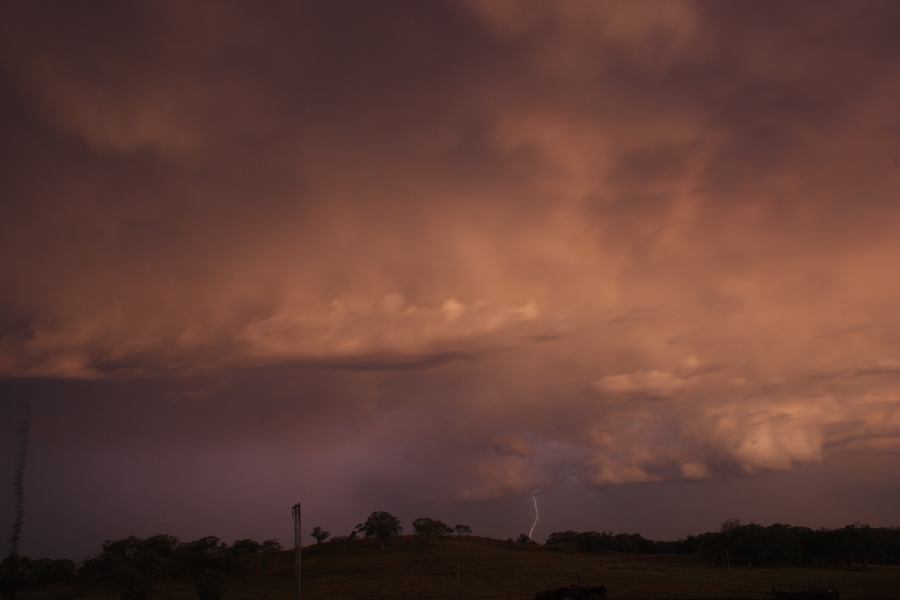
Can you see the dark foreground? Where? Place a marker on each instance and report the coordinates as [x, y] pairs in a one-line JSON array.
[[491, 569]]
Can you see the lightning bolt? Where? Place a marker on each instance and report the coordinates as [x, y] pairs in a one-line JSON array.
[[537, 514]]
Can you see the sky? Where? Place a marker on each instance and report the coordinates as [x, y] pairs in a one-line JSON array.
[[430, 257]]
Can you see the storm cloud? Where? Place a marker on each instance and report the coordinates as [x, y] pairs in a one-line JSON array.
[[461, 250]]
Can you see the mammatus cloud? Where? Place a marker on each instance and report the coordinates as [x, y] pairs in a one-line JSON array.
[[624, 243]]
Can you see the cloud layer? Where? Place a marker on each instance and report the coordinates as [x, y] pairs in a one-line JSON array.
[[620, 243]]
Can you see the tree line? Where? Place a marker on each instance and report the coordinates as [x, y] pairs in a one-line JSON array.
[[134, 567], [751, 544], [383, 526]]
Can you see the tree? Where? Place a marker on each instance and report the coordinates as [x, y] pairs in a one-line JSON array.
[[48, 570], [242, 557], [270, 546], [12, 576], [200, 555], [461, 529], [430, 529], [729, 525], [524, 539], [730, 530], [134, 565], [320, 534], [594, 541], [382, 526], [203, 561], [562, 537], [244, 547]]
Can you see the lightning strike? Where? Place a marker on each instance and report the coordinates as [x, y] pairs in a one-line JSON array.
[[537, 514]]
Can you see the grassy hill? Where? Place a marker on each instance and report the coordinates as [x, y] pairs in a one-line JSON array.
[[493, 569]]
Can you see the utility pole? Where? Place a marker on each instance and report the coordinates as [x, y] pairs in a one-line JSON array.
[[297, 543]]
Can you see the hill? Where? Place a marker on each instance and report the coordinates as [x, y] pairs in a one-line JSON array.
[[494, 569]]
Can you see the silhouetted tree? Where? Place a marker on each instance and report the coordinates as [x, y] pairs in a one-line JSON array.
[[203, 562], [729, 525], [202, 554], [382, 526], [244, 547], [13, 576], [269, 546], [134, 565], [50, 570], [461, 529], [244, 557], [429, 529], [562, 537], [593, 541], [320, 534], [524, 539], [19, 572]]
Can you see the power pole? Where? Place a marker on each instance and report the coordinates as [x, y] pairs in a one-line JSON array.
[[297, 543]]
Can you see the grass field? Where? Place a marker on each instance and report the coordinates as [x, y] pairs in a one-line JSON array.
[[492, 569]]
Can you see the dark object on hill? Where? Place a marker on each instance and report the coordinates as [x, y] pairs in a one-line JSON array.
[[320, 534], [808, 594], [573, 592]]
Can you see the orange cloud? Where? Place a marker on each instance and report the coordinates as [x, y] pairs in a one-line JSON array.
[[638, 243]]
